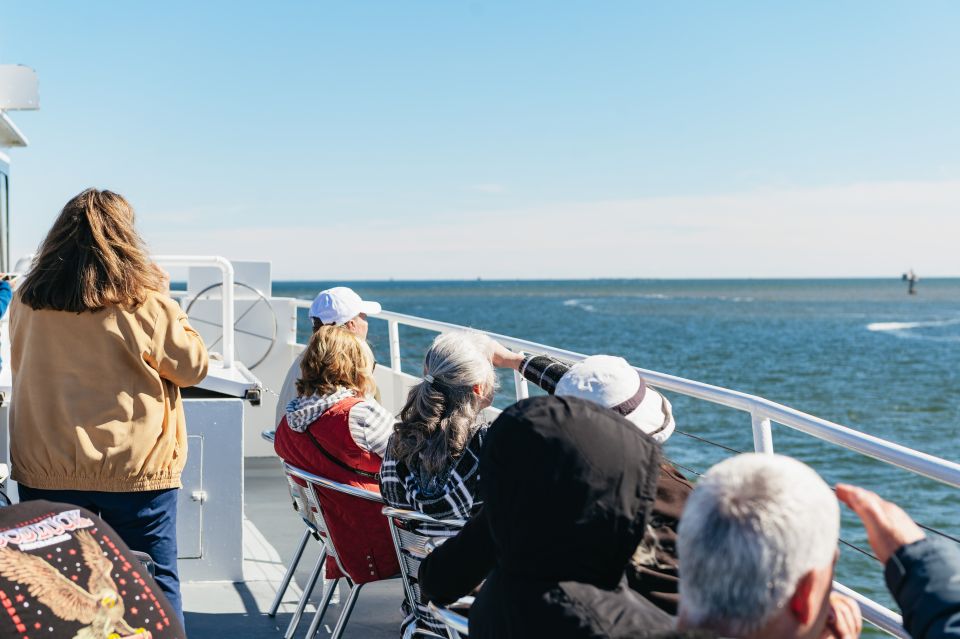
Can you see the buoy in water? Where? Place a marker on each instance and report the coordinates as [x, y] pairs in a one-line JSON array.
[[911, 279]]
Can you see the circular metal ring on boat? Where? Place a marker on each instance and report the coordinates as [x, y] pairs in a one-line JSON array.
[[251, 361]]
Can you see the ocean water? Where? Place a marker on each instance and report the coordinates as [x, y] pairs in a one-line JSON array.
[[858, 352]]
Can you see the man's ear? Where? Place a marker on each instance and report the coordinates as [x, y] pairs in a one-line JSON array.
[[478, 390], [802, 606]]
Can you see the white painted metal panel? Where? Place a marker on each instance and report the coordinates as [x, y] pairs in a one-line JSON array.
[[10, 135], [19, 88], [219, 422], [190, 502]]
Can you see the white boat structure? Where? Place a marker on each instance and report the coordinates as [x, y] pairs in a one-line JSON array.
[[237, 531]]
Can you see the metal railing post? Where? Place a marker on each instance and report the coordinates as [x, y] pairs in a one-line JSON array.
[[762, 433], [226, 270], [393, 330]]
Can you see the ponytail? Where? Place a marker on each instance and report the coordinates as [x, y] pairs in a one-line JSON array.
[[441, 412]]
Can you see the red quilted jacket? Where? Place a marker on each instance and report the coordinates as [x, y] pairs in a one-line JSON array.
[[356, 526]]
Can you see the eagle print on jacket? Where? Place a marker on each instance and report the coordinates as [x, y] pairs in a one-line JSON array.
[[100, 605], [65, 574]]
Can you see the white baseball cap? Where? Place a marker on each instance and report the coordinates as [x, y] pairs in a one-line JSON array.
[[613, 383], [339, 305]]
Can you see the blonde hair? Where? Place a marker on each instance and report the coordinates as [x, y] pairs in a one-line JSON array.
[[335, 358], [91, 258]]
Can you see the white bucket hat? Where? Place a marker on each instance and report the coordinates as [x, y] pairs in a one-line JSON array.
[[613, 383], [339, 305]]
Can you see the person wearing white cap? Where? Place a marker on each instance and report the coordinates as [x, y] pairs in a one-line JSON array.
[[341, 306], [613, 383], [337, 306]]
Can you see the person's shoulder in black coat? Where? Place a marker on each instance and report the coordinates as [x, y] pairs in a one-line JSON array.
[[568, 488], [924, 578]]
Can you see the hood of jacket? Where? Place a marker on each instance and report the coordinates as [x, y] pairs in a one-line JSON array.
[[568, 487], [303, 411]]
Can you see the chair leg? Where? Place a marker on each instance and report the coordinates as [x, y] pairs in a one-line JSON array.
[[321, 610], [311, 582], [347, 609], [292, 568]]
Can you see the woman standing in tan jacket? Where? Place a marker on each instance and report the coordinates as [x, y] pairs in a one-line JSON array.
[[99, 353]]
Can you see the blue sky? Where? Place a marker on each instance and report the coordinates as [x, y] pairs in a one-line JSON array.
[[443, 139]]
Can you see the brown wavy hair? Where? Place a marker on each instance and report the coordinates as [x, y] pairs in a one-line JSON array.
[[335, 358], [91, 258]]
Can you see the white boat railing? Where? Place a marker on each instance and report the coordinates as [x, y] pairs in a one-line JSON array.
[[227, 311], [226, 270], [763, 413]]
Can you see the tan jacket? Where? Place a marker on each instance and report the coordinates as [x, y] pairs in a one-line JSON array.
[[96, 398]]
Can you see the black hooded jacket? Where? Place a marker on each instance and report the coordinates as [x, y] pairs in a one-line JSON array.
[[567, 489]]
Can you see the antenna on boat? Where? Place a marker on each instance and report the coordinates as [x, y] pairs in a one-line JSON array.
[[911, 279]]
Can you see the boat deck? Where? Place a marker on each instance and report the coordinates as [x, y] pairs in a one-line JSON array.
[[272, 532]]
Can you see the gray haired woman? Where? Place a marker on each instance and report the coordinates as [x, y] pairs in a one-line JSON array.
[[432, 459]]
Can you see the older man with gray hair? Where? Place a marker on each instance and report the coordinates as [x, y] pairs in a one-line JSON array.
[[757, 544]]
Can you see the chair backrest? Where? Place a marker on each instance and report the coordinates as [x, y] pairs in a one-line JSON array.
[[456, 624], [414, 534], [297, 490], [300, 496], [309, 485]]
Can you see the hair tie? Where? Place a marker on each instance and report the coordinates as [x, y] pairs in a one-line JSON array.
[[428, 378]]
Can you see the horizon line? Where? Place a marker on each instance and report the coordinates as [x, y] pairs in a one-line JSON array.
[[619, 278]]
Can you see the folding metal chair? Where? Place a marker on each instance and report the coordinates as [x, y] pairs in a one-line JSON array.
[[301, 506], [315, 482], [414, 535], [456, 624], [303, 498]]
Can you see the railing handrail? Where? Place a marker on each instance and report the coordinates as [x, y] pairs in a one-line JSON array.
[[216, 261], [883, 618], [763, 410], [227, 272]]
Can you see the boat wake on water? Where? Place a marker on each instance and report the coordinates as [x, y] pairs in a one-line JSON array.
[[581, 305], [586, 305], [926, 330]]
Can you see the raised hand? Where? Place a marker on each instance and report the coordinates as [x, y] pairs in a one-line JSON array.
[[888, 526], [844, 620], [502, 357]]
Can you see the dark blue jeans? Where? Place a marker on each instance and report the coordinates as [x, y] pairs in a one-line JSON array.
[[146, 521]]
